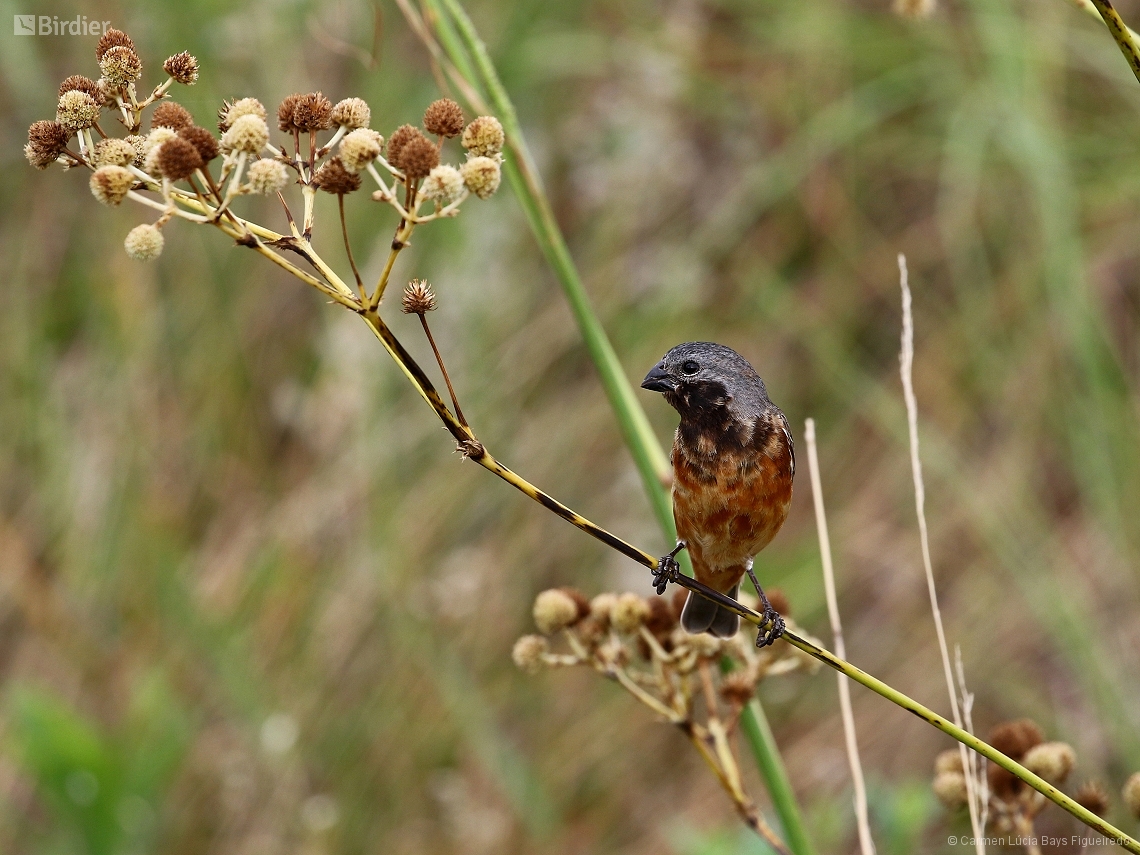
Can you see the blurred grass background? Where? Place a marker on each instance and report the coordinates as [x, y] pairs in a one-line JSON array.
[[250, 602]]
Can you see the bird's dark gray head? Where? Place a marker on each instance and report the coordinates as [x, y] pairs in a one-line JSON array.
[[699, 378]]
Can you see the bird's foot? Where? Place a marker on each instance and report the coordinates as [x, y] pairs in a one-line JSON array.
[[667, 569], [772, 628]]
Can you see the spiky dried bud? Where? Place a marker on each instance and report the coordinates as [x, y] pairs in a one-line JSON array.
[[334, 178], [76, 110], [266, 177], [417, 157], [359, 148], [528, 652], [183, 68], [1131, 794], [949, 760], [779, 601], [554, 610], [737, 688], [144, 243], [233, 110], [112, 38], [46, 142], [138, 142], [313, 112], [201, 139], [178, 159], [444, 184], [950, 788], [151, 144], [1092, 796], [285, 111], [352, 113], [82, 84], [171, 114], [602, 606], [248, 133], [1015, 738], [484, 137], [1053, 761], [419, 298], [399, 139], [109, 184], [482, 176], [113, 152], [629, 613], [444, 118], [121, 66]]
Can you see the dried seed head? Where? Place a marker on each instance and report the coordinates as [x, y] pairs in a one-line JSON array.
[[661, 620], [112, 38], [144, 243], [950, 787], [528, 652], [602, 606], [419, 298], [949, 760], [77, 110], [170, 114], [916, 9], [201, 139], [484, 137], [151, 145], [266, 177], [285, 112], [554, 610], [629, 613], [1003, 784], [113, 152], [352, 113], [108, 93], [121, 66], [399, 139], [417, 157], [139, 144], [1053, 761], [82, 84], [178, 159], [334, 178], [444, 118], [313, 112], [183, 68], [1131, 794], [1014, 738], [109, 184], [737, 688], [444, 184], [1093, 797], [232, 111], [248, 133], [482, 176], [359, 148], [46, 142], [705, 645], [779, 601]]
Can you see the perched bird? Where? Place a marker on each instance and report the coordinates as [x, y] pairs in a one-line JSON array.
[[733, 464]]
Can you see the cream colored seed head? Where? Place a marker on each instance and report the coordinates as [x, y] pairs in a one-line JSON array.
[[243, 107], [602, 606], [359, 148], [266, 177], [1132, 794], [1053, 761], [120, 66], [352, 113], [484, 137], [76, 110], [949, 760], [109, 184], [628, 613], [554, 610], [114, 151], [248, 133], [528, 652], [144, 243], [482, 176], [950, 787], [443, 184], [138, 143]]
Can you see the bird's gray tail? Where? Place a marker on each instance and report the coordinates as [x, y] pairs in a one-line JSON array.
[[701, 615]]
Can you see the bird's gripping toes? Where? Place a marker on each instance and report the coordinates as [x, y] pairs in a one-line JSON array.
[[733, 465]]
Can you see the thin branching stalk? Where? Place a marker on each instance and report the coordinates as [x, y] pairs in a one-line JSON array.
[[866, 844]]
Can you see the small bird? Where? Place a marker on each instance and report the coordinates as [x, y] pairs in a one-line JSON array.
[[733, 465]]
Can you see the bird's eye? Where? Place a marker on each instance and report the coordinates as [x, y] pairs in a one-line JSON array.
[[689, 367]]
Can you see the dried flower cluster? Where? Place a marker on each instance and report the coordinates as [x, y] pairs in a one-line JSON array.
[[1010, 806], [639, 643]]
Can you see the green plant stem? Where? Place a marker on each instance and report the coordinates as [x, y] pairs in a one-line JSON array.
[[1120, 32]]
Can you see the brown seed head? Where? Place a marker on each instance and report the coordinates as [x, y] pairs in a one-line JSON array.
[[1092, 796], [112, 38], [313, 112], [779, 601], [737, 688], [183, 68], [418, 157], [201, 139], [285, 112], [170, 114], [419, 298], [46, 142], [1015, 738], [1131, 794], [444, 118], [661, 620], [1003, 784], [334, 177], [178, 159], [352, 113], [82, 84], [121, 66], [399, 139]]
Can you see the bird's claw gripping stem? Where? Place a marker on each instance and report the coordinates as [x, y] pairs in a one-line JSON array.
[[667, 569]]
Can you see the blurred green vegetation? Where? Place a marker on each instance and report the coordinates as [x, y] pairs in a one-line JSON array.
[[250, 602]]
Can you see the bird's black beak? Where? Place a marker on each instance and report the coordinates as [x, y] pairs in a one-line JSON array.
[[658, 380]]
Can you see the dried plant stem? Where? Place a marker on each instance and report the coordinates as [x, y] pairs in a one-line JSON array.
[[443, 370], [348, 248], [866, 844]]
